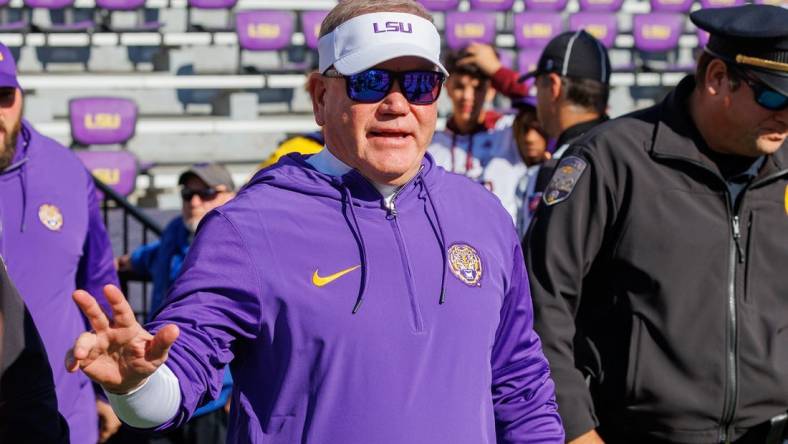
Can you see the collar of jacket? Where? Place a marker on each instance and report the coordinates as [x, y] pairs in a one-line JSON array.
[[676, 136], [487, 123], [575, 131], [298, 175]]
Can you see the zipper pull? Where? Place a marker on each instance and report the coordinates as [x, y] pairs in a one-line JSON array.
[[736, 237], [392, 209]]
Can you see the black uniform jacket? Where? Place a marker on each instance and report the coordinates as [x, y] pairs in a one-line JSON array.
[[647, 282]]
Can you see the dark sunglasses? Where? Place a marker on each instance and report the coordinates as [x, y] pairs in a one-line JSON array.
[[372, 85], [765, 96], [205, 194]]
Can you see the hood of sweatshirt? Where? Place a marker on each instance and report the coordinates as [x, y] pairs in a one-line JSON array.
[[294, 173]]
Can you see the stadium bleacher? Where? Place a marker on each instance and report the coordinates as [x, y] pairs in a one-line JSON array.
[[223, 79]]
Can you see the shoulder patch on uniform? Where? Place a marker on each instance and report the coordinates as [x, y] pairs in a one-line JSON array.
[[564, 179]]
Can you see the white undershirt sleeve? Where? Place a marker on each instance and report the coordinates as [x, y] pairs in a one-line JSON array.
[[152, 404]]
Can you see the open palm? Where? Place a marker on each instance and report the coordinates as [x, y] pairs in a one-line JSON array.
[[119, 355]]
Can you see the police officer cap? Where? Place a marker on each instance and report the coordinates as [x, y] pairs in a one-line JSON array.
[[753, 36]]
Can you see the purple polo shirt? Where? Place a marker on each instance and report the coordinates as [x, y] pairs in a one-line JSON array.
[[54, 241]]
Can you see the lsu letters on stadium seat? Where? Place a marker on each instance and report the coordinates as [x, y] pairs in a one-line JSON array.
[[269, 31], [656, 40], [463, 28], [602, 25], [532, 30], [106, 121]]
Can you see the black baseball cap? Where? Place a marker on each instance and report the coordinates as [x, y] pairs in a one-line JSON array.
[[754, 37], [575, 54]]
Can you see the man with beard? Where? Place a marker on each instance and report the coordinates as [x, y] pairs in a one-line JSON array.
[[54, 242]]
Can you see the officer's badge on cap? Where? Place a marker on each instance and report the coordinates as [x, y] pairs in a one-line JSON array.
[[465, 264], [51, 217], [753, 36], [369, 39], [7, 68]]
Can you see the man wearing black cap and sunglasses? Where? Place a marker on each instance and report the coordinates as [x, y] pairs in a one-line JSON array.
[[572, 81], [657, 257]]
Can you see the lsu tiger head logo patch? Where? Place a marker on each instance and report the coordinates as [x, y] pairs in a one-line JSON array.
[[51, 217], [465, 263]]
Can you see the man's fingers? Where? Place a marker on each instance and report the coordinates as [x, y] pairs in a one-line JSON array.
[[162, 342], [81, 350], [85, 343], [121, 310], [98, 320]]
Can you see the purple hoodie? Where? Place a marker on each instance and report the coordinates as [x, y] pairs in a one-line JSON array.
[[53, 241], [440, 348]]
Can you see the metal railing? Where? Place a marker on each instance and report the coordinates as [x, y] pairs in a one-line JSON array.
[[116, 209]]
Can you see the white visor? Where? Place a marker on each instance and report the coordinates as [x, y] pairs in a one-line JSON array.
[[367, 40]]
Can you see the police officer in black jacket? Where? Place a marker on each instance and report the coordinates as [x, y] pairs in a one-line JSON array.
[[658, 259]]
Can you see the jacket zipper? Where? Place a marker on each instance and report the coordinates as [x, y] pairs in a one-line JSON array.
[[418, 321], [734, 257], [731, 358]]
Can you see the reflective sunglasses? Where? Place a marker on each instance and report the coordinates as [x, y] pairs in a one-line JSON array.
[[372, 85], [205, 194], [765, 96]]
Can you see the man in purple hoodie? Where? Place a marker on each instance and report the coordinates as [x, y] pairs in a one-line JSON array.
[[360, 295], [53, 241]]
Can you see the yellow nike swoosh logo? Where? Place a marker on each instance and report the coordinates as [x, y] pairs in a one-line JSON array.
[[321, 281]]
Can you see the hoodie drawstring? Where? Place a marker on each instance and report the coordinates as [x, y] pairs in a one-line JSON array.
[[441, 241], [23, 181], [356, 229]]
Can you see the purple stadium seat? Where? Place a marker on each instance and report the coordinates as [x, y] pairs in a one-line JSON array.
[[264, 30], [118, 169], [463, 28], [721, 3], [310, 25], [603, 26], [535, 29], [12, 19], [703, 38], [63, 16], [601, 5], [212, 4], [657, 32], [146, 20], [106, 121], [545, 5], [491, 5], [671, 5], [506, 58], [102, 120], [440, 5], [527, 60]]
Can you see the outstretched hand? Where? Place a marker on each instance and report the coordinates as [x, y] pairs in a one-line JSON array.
[[119, 356]]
